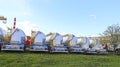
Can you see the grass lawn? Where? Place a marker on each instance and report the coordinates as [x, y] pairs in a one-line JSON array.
[[27, 59]]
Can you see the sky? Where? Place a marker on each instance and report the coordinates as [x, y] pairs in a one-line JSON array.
[[78, 17]]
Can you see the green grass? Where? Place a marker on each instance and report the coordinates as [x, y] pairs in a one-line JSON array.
[[18, 59]]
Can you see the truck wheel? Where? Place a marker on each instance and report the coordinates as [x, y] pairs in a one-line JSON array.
[[0, 48], [24, 48], [117, 51], [49, 49]]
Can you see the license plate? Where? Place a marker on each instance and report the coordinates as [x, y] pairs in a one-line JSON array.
[[12, 47], [77, 50], [39, 49], [60, 50]]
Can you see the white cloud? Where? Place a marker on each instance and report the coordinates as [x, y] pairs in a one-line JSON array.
[[27, 26]]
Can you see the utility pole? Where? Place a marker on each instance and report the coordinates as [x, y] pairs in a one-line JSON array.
[[14, 26]]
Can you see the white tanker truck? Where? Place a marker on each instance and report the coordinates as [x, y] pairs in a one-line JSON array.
[[81, 46], [54, 40], [77, 44], [72, 42], [86, 44], [96, 48], [102, 49], [16, 41], [38, 42], [2, 36], [93, 47]]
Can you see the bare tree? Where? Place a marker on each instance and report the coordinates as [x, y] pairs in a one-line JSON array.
[[112, 34]]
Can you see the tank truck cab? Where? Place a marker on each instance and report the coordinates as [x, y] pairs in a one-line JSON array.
[[54, 40], [86, 44], [2, 37], [96, 48], [16, 41], [102, 49], [38, 42], [93, 47], [73, 43]]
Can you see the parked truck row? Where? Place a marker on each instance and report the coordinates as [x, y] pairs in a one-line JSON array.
[[15, 40]]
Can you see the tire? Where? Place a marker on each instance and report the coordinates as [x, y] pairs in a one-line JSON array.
[[117, 51], [0, 48], [24, 48], [49, 49]]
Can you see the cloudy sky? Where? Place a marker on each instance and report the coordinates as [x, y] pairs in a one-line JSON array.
[[78, 17]]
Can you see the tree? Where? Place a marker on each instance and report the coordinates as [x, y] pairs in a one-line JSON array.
[[112, 34]]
